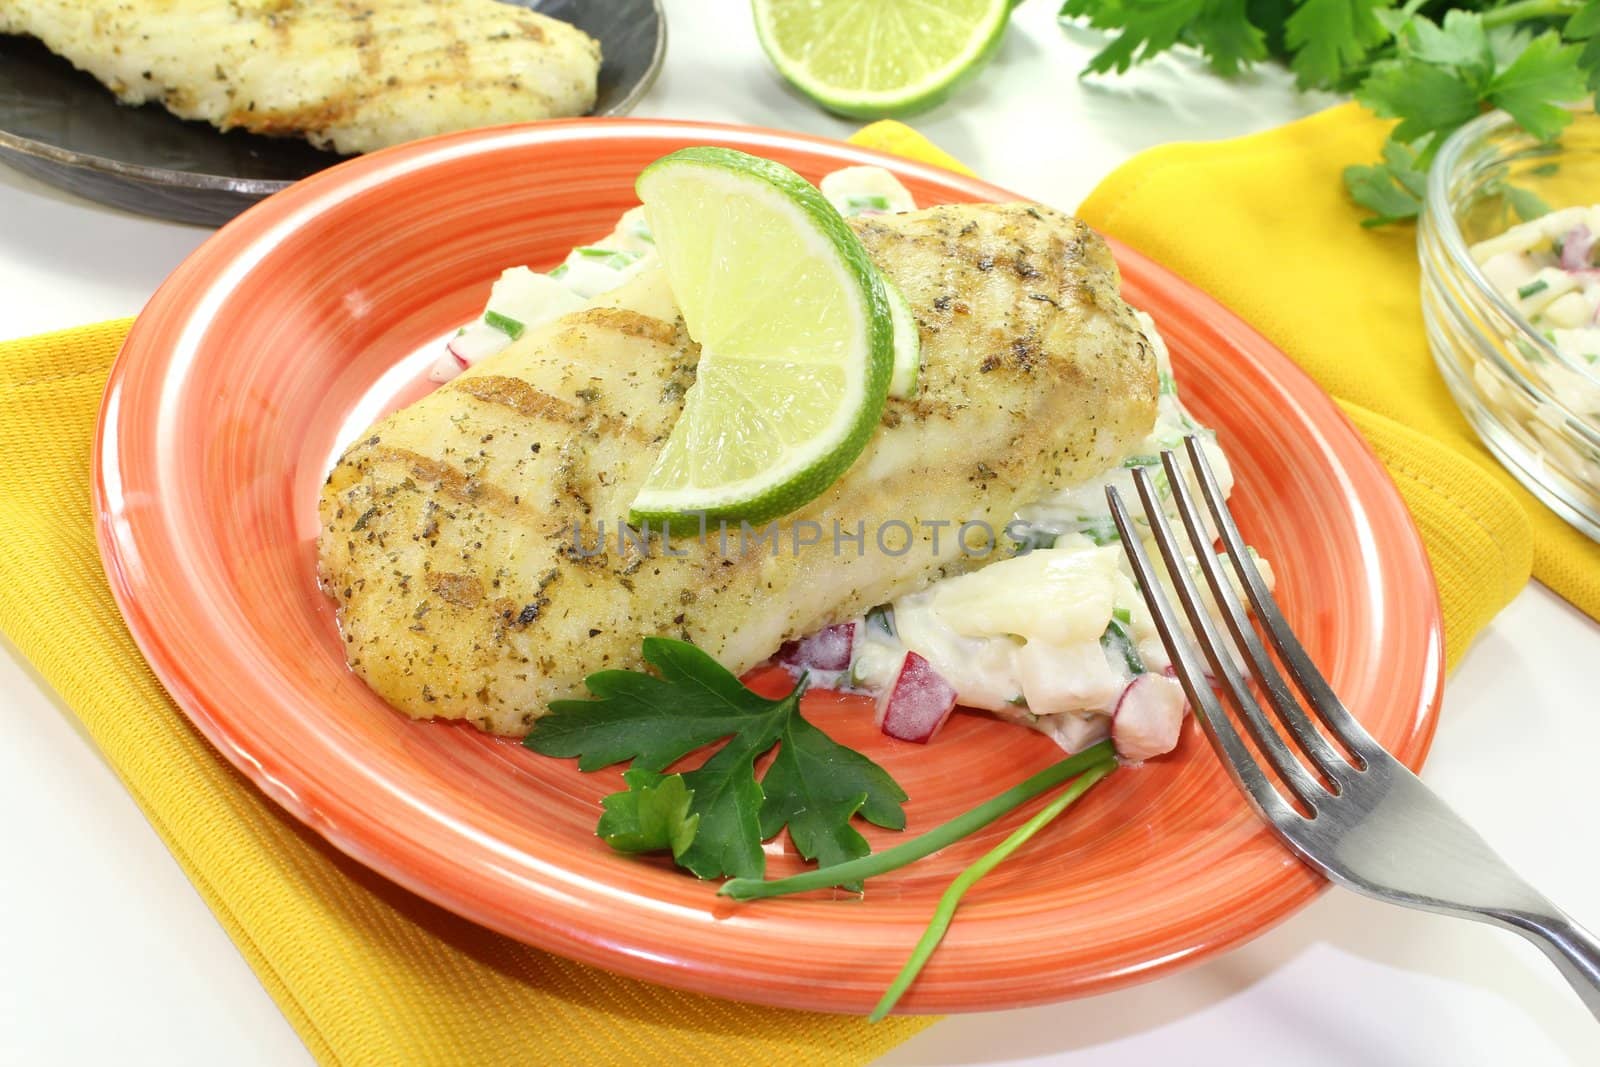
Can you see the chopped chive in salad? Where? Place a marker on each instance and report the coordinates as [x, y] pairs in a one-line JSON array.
[[866, 203], [1099, 529], [507, 325], [1117, 643], [640, 230], [1532, 354], [1034, 538], [616, 258], [881, 618], [1533, 288]]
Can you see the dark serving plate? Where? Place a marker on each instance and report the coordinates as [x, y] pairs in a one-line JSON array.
[[63, 127]]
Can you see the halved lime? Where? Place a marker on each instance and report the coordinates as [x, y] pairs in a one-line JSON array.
[[795, 330], [878, 58]]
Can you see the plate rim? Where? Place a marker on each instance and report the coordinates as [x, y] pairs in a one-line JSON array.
[[203, 181], [296, 206]]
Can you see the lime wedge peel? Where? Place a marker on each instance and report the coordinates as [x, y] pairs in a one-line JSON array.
[[907, 345], [796, 335], [871, 59]]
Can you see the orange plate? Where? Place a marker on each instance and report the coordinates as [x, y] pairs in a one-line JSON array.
[[319, 310]]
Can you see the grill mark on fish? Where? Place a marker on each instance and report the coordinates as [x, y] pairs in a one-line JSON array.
[[518, 395], [283, 122], [462, 590], [364, 41], [630, 323], [456, 50], [453, 482]]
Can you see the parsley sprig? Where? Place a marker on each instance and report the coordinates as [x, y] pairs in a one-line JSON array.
[[1433, 66], [715, 817]]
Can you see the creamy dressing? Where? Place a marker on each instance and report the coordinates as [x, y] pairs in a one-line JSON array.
[[866, 191]]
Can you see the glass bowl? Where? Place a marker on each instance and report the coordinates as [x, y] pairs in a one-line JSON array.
[[1536, 408]]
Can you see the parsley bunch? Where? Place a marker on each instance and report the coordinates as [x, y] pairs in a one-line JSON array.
[[1433, 66]]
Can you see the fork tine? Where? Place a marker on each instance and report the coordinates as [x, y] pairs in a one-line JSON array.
[[1329, 708], [1331, 762], [1213, 719], [1221, 659]]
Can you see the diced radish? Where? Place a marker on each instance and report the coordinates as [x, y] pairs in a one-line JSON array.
[[918, 702], [445, 367], [1148, 717], [477, 342], [1576, 247], [826, 650]]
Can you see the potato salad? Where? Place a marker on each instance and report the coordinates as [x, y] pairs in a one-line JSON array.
[[1548, 270]]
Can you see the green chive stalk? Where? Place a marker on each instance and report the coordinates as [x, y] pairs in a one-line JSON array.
[[952, 896], [858, 870]]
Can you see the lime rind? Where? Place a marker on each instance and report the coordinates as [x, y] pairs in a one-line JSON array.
[[742, 393], [907, 345], [933, 87]]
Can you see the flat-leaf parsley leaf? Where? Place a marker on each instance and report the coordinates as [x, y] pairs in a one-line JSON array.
[[651, 815]]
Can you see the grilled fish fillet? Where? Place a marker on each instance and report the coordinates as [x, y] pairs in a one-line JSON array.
[[351, 75], [448, 530]]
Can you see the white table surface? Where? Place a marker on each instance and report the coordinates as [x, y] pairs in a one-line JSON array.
[[109, 955]]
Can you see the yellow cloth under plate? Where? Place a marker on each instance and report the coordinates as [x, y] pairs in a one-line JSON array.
[[1263, 224]]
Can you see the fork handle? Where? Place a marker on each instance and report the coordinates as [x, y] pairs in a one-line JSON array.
[[1574, 950]]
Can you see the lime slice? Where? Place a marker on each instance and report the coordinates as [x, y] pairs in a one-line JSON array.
[[907, 344], [795, 331], [878, 58]]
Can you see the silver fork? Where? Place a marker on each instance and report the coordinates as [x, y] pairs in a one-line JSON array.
[[1374, 826]]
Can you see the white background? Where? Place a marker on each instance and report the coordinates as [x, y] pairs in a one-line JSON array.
[[107, 954]]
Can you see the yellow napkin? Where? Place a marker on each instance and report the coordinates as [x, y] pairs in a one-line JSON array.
[[1263, 224], [366, 972]]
